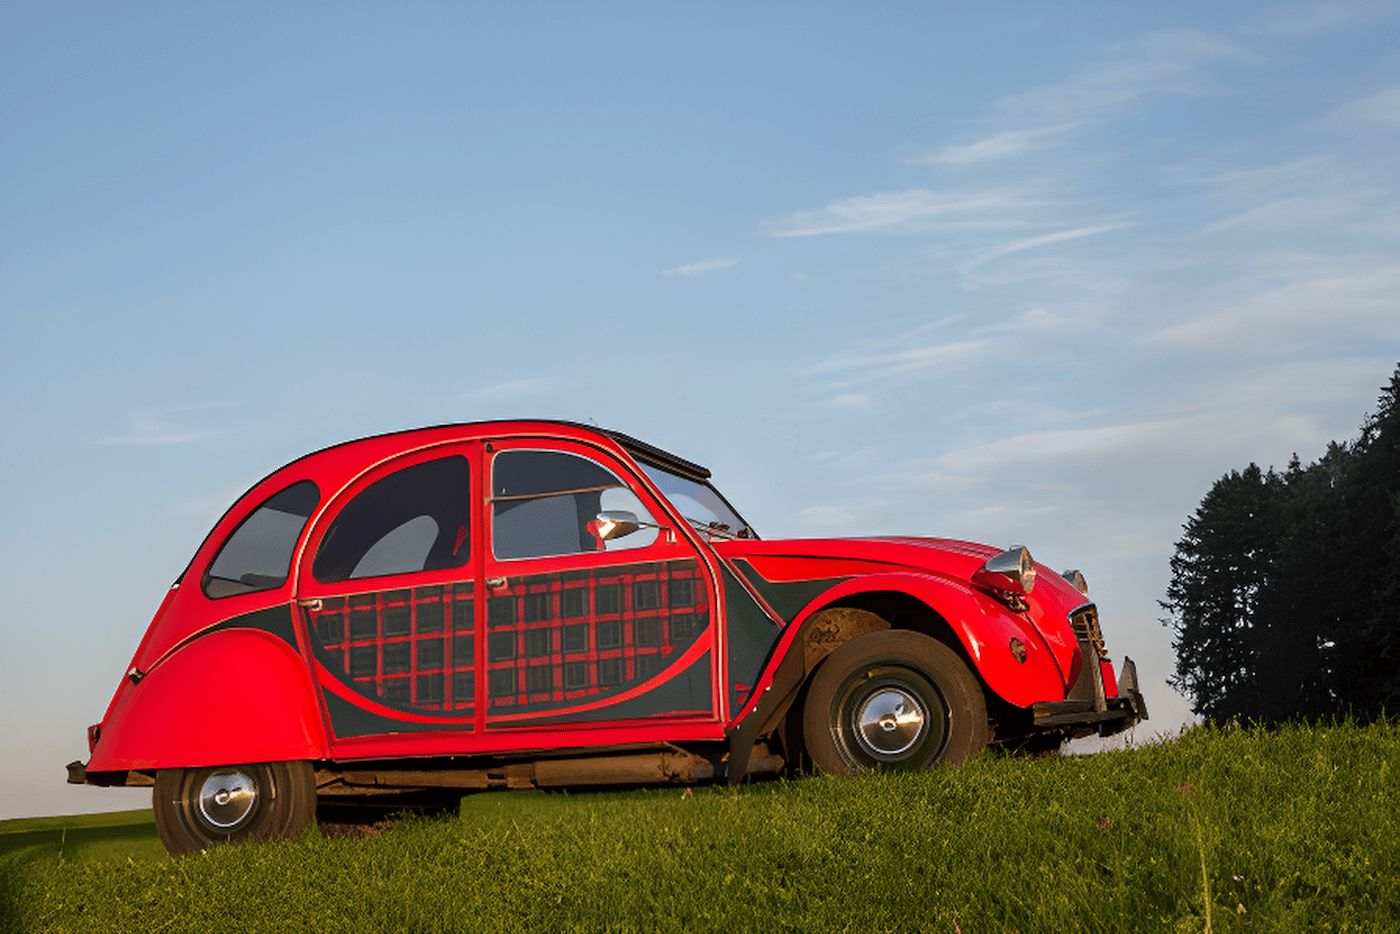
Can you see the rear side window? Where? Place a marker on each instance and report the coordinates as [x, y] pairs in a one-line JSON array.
[[412, 520], [258, 555]]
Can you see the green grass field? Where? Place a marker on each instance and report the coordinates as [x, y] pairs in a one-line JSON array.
[[1219, 830]]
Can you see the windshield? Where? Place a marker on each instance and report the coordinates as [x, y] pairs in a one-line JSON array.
[[700, 504]]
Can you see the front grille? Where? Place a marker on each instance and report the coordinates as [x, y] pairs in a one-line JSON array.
[[1086, 629]]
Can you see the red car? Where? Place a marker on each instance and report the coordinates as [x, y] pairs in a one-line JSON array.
[[532, 604]]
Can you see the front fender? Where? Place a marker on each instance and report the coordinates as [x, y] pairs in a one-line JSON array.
[[983, 626], [232, 696]]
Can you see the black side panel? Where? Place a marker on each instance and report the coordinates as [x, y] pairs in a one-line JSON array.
[[787, 598], [687, 693], [348, 720], [751, 635], [276, 620]]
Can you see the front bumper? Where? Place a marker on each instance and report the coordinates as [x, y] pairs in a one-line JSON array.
[[1088, 709]]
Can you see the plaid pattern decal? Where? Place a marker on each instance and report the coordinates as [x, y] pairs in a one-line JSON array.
[[556, 640], [412, 648]]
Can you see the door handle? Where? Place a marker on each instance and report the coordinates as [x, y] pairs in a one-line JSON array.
[[495, 583], [314, 605]]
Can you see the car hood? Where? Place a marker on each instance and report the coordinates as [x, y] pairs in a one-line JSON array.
[[951, 559]]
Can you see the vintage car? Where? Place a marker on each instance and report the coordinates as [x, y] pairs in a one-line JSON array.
[[524, 604]]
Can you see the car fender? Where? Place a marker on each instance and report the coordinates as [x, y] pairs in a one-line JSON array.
[[231, 696], [983, 627]]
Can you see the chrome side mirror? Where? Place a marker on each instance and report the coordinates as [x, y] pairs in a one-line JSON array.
[[615, 523]]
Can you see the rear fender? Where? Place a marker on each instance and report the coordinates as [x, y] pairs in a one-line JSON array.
[[232, 696]]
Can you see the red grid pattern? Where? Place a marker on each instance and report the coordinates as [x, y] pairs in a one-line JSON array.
[[555, 638], [410, 647]]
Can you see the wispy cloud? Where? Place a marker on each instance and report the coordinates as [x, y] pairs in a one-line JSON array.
[[1369, 297], [1050, 444], [904, 355], [1302, 18], [695, 269], [1000, 146], [1163, 62], [914, 210], [146, 428], [1382, 109], [1031, 243]]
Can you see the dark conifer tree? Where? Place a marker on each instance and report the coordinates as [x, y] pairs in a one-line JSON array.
[[1369, 633], [1285, 590], [1221, 567], [1296, 617]]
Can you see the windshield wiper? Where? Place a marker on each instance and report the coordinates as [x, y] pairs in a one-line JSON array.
[[720, 529]]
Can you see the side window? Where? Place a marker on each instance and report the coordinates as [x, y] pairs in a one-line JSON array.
[[415, 519], [546, 503], [258, 555]]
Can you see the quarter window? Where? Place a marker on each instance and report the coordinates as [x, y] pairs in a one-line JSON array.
[[415, 519], [258, 555]]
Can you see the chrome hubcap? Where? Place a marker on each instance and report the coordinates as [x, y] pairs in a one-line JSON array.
[[226, 798], [890, 721]]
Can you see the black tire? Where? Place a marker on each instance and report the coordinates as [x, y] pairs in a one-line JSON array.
[[198, 808], [893, 700]]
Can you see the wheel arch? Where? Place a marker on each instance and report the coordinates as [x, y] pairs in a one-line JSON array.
[[970, 623], [234, 695]]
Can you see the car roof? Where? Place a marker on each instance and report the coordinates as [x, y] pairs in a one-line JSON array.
[[641, 450]]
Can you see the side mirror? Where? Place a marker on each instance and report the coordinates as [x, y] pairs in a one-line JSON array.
[[615, 523]]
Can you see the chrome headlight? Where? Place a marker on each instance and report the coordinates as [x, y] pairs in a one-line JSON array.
[[1076, 578], [1012, 571]]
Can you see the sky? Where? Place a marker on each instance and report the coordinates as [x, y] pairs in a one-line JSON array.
[[1013, 272]]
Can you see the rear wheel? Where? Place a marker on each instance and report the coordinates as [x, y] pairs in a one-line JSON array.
[[197, 808], [893, 700]]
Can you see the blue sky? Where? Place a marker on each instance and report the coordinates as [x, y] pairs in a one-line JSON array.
[[1013, 272]]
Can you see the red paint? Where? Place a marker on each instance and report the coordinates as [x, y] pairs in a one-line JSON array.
[[202, 693]]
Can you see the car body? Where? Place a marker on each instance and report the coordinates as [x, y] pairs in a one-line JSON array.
[[533, 603]]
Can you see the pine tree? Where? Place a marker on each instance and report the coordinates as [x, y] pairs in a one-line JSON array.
[[1369, 635], [1297, 670], [1285, 590], [1221, 567]]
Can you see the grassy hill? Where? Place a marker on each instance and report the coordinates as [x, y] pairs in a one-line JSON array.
[[1218, 830]]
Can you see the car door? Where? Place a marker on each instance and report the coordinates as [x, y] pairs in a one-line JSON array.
[[583, 628], [387, 587]]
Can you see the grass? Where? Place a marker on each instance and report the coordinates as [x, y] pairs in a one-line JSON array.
[[1219, 830]]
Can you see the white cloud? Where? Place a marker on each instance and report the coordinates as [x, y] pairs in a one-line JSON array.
[[1382, 108], [146, 428], [1271, 177], [1163, 62], [1370, 297], [917, 209], [1040, 445], [878, 363], [1031, 243], [852, 402], [1302, 18], [1001, 146], [695, 269]]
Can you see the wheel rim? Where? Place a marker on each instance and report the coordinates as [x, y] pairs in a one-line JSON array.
[[890, 717], [889, 721], [227, 798]]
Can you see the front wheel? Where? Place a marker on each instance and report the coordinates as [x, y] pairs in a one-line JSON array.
[[893, 700], [197, 808]]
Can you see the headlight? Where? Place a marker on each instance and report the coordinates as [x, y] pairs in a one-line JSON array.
[[1012, 571], [1077, 579]]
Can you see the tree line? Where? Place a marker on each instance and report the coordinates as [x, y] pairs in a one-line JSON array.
[[1285, 590]]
